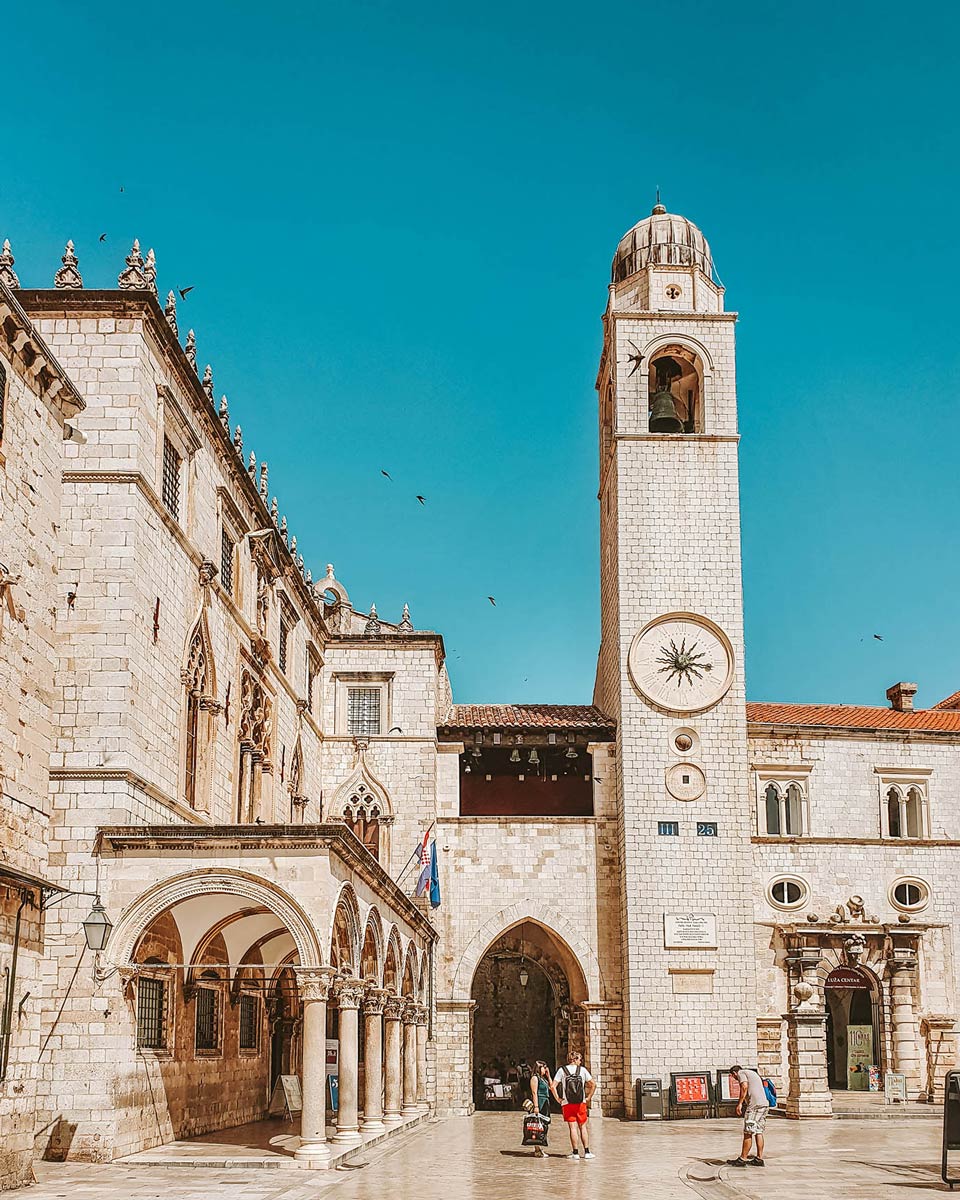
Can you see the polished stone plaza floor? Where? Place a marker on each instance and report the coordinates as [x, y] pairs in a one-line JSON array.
[[479, 1158]]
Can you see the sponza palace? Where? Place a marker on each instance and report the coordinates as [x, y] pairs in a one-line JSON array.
[[211, 759]]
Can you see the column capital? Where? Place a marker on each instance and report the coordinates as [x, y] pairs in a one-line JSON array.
[[409, 1014], [392, 1007], [375, 1001], [422, 1014], [349, 992], [314, 983]]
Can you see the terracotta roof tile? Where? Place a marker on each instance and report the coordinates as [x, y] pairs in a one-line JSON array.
[[855, 716], [528, 716], [951, 702]]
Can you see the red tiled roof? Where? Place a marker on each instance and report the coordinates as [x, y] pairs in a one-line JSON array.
[[951, 702], [528, 716], [855, 716]]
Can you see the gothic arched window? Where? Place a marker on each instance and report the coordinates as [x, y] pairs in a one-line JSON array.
[[904, 812], [783, 805], [195, 681], [362, 813]]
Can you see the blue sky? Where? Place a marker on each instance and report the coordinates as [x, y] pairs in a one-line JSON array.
[[399, 220]]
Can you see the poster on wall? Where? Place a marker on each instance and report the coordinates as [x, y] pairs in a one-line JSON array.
[[332, 1056], [697, 930], [859, 1057], [728, 1088]]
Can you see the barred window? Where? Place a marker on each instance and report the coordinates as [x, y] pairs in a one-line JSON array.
[[227, 546], [249, 1023], [171, 478], [151, 1013], [207, 1019], [282, 647], [3, 397], [311, 680], [363, 711]]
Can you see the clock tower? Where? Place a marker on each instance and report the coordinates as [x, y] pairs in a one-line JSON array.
[[671, 658]]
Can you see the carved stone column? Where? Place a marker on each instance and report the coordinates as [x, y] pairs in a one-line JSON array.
[[373, 1005], [906, 1051], [423, 1103], [940, 1039], [349, 995], [410, 1060], [808, 1091], [314, 984], [392, 1012]]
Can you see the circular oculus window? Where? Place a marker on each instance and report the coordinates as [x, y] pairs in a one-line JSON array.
[[909, 895], [787, 892], [685, 781]]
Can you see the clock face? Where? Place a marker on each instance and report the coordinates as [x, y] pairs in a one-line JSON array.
[[681, 663]]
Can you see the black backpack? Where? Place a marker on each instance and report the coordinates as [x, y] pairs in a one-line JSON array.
[[573, 1090]]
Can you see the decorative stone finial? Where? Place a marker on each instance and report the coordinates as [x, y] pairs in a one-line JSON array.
[[170, 312], [263, 479], [238, 440], [658, 208], [373, 625], [274, 511], [150, 271], [132, 277], [283, 529], [224, 413], [190, 349], [252, 465], [68, 276], [293, 547], [406, 625], [7, 274], [300, 564], [330, 574], [207, 382], [308, 577]]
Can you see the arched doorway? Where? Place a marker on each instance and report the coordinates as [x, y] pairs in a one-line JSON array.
[[527, 988], [854, 1027]]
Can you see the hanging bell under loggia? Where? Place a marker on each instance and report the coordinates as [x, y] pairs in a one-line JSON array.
[[663, 409]]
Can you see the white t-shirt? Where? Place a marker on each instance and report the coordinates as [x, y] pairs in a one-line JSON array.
[[561, 1075]]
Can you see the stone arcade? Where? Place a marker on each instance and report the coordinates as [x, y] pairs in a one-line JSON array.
[[233, 764]]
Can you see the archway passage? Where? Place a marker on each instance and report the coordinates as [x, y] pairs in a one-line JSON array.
[[527, 988], [854, 1028]]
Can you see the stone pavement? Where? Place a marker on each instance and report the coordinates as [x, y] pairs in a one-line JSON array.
[[479, 1158]]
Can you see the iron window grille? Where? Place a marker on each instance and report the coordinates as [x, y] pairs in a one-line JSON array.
[[282, 646], [363, 711], [227, 546], [151, 1014], [3, 397], [249, 1023], [171, 478], [207, 1020]]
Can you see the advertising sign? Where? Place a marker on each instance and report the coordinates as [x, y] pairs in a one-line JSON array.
[[859, 1057], [692, 1087], [894, 1088]]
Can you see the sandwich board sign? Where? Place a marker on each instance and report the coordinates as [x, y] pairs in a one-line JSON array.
[[286, 1099]]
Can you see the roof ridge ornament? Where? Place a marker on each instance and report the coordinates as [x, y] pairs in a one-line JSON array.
[[7, 274], [68, 276], [190, 349], [170, 312], [207, 382], [263, 479], [373, 626], [132, 277], [224, 414], [252, 465], [238, 441], [150, 272], [406, 625], [658, 208]]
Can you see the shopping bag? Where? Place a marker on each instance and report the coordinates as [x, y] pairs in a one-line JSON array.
[[534, 1131]]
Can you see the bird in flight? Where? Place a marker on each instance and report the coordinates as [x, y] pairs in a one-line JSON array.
[[103, 237], [636, 358], [121, 187], [386, 474], [396, 729], [878, 637], [183, 291], [422, 499], [492, 601]]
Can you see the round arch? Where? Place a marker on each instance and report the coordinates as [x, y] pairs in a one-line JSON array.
[[138, 916], [372, 938], [578, 959], [347, 907]]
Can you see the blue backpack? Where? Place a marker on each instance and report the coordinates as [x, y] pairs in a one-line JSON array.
[[771, 1092]]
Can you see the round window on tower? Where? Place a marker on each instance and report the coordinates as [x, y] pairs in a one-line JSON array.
[[910, 895], [788, 892]]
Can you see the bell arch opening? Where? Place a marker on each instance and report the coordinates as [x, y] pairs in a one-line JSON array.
[[528, 988], [675, 391]]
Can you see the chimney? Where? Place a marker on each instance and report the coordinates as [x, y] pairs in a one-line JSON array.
[[901, 696]]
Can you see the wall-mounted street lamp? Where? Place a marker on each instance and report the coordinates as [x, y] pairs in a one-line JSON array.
[[97, 927]]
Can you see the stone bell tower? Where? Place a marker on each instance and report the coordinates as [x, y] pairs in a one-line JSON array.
[[671, 658]]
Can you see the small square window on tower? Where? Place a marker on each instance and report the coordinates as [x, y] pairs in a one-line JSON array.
[[363, 711]]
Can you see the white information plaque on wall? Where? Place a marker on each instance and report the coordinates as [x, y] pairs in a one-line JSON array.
[[689, 930]]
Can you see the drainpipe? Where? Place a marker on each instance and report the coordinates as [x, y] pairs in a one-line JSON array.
[[5, 1033]]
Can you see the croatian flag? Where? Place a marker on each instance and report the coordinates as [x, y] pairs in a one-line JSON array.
[[423, 880]]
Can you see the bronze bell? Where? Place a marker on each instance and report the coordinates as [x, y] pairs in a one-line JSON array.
[[663, 414]]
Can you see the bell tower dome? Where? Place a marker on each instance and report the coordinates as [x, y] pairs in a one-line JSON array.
[[670, 667]]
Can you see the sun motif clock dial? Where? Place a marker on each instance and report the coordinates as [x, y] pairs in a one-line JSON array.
[[681, 663]]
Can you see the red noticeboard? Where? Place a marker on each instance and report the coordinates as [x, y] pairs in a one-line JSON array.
[[693, 1088]]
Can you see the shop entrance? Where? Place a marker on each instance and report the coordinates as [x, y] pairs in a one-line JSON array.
[[854, 1029], [527, 988]]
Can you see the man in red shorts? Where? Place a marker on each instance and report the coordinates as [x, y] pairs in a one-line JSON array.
[[574, 1088]]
